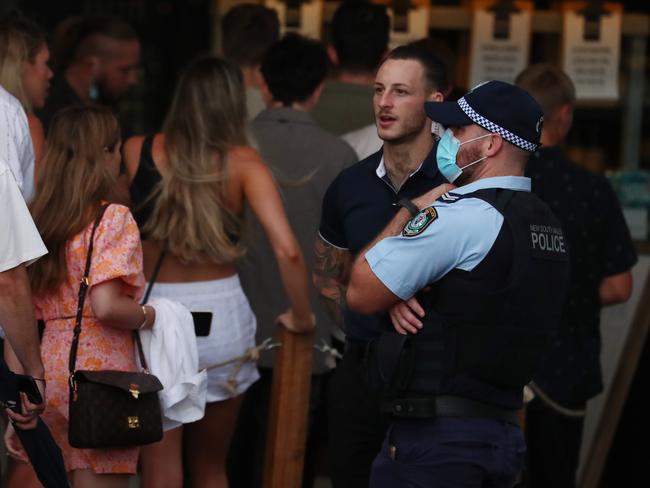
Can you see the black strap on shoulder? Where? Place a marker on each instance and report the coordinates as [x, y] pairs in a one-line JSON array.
[[154, 275], [146, 153], [83, 288]]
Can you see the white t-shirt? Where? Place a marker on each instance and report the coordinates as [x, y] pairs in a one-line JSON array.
[[16, 148], [20, 242]]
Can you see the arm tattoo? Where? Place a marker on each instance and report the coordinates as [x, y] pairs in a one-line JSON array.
[[331, 276]]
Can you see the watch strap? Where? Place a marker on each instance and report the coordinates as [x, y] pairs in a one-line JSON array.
[[408, 205]]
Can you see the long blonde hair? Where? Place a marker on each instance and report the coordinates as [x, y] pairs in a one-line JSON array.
[[207, 117], [14, 52], [73, 181]]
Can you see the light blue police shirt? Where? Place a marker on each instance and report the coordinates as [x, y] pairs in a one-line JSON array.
[[460, 237]]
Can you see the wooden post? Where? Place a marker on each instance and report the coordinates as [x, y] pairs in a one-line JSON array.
[[615, 402], [287, 433]]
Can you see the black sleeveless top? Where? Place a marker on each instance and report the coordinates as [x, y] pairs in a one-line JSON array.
[[143, 185]]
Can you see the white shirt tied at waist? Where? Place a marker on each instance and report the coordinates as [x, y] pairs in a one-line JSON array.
[[171, 353]]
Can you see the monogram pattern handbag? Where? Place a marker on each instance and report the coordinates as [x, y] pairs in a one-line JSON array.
[[110, 409]]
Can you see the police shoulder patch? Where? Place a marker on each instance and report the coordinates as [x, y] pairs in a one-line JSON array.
[[420, 222]]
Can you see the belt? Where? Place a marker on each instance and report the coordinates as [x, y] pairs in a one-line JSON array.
[[447, 406]]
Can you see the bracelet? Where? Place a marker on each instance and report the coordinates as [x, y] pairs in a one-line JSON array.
[[413, 210], [39, 379], [144, 312]]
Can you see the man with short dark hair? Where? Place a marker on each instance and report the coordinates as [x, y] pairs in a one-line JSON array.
[[100, 65], [247, 31], [359, 40], [366, 141], [489, 266], [356, 206], [602, 256], [304, 159]]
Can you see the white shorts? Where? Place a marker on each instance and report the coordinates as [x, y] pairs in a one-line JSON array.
[[232, 330]]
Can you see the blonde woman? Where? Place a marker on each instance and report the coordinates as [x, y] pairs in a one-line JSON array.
[[189, 186], [24, 72], [82, 162]]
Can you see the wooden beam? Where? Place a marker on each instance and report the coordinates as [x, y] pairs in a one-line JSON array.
[[287, 434], [543, 21], [617, 396]]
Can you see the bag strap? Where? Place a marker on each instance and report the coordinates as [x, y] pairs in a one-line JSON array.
[[154, 275], [138, 341], [83, 288]]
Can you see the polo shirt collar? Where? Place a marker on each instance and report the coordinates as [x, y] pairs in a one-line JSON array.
[[517, 183], [286, 114], [429, 166]]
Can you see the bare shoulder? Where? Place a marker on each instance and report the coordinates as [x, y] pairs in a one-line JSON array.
[[243, 159], [35, 126]]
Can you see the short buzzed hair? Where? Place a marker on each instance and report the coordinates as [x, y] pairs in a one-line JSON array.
[[548, 85], [435, 71], [248, 30], [76, 38], [360, 32], [293, 68]]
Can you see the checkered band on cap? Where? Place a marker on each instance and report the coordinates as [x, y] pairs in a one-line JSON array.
[[497, 129]]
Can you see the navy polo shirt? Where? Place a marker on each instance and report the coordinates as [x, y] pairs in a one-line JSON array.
[[357, 206], [599, 244]]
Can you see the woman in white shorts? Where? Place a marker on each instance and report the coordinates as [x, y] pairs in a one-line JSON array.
[[188, 187]]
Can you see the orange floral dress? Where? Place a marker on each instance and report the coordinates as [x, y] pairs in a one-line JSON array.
[[117, 254]]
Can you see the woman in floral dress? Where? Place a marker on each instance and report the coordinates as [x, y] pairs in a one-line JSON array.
[[81, 164]]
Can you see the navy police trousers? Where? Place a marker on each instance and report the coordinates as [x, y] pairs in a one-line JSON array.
[[449, 452]]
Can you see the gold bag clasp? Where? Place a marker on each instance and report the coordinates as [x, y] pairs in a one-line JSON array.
[[134, 422]]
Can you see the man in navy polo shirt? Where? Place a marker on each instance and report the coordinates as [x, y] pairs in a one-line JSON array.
[[356, 207], [488, 264]]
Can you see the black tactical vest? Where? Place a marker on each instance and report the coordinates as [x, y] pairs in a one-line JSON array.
[[485, 330]]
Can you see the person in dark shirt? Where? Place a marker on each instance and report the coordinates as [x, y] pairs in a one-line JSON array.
[[602, 254], [96, 61], [356, 207], [359, 40]]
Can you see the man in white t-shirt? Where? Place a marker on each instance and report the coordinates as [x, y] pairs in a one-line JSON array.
[[16, 148], [20, 245]]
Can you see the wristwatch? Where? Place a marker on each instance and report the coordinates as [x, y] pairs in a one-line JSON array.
[[408, 205]]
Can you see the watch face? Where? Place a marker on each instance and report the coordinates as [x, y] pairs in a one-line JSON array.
[[420, 222]]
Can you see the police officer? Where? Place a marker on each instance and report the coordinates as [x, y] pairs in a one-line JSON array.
[[488, 264]]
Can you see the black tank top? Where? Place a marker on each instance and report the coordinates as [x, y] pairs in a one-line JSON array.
[[143, 185]]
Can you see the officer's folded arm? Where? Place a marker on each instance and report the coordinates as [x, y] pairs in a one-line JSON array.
[[366, 293]]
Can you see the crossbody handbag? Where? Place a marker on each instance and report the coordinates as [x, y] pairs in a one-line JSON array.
[[110, 409]]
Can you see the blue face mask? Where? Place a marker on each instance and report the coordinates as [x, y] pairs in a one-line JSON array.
[[446, 153]]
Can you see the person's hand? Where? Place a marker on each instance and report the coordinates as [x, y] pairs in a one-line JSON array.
[[28, 417], [406, 316], [432, 195], [288, 320], [15, 449]]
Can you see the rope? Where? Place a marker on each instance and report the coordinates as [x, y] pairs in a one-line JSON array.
[[567, 412], [252, 355]]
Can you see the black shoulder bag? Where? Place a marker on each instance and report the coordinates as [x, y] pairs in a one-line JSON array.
[[110, 409]]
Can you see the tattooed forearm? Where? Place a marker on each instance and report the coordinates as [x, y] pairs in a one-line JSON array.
[[331, 277]]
